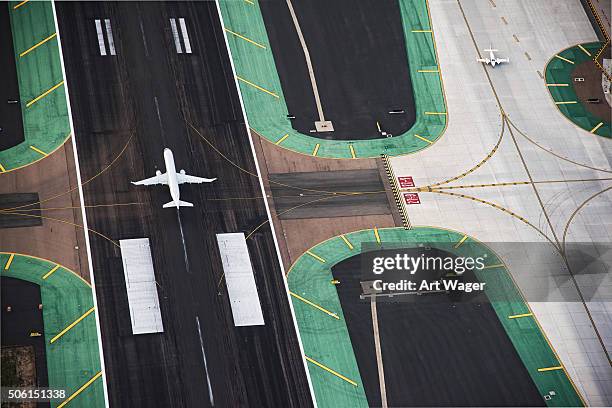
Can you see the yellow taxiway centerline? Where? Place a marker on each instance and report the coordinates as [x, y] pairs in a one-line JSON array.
[[80, 390], [37, 150], [421, 31], [308, 302], [352, 149], [71, 325], [429, 71], [244, 38], [51, 272], [557, 84], [2, 169], [38, 45], [9, 262], [257, 87], [435, 113], [329, 370], [39, 97], [565, 102]]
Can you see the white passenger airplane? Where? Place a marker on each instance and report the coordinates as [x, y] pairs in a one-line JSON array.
[[492, 60], [172, 179]]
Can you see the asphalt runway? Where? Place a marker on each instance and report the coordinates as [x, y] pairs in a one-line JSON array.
[[293, 204], [11, 122], [25, 317], [360, 62], [143, 99], [438, 349]]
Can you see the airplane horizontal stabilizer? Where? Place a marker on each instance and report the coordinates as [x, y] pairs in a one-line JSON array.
[[180, 204]]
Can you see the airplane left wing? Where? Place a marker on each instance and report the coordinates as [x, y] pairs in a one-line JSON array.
[[161, 179], [186, 178]]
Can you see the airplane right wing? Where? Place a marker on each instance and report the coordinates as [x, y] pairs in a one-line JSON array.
[[161, 179], [186, 178], [485, 60]]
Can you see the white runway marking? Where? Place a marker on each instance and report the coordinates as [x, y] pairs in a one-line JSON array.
[[210, 394], [100, 37], [185, 35], [109, 36], [175, 34]]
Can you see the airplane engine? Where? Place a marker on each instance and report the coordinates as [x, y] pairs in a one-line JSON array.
[[182, 172], [158, 173]]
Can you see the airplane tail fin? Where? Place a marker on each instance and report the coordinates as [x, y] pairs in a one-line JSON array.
[[177, 204]]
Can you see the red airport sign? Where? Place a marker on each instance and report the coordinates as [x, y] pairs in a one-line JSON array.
[[406, 182], [412, 198]]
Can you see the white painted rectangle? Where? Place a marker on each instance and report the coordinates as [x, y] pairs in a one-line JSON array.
[[185, 35], [100, 37], [240, 280], [175, 34], [141, 286], [109, 36]]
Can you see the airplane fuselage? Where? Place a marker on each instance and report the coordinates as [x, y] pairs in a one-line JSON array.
[[171, 172]]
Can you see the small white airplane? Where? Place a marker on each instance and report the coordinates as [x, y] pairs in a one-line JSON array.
[[172, 179], [492, 60]]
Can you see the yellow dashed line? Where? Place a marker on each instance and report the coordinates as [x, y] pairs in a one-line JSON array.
[[2, 169], [584, 49], [308, 302], [458, 244], [80, 390], [564, 59], [377, 235], [550, 368], [37, 150], [249, 1], [33, 101], [329, 370], [600, 124], [352, 149], [494, 266], [71, 325], [257, 87], [557, 84], [347, 242], [20, 4], [428, 71], [316, 149], [245, 38], [421, 31], [520, 315], [51, 272], [315, 256], [38, 45], [282, 139], [9, 262], [435, 113], [565, 102], [423, 139]]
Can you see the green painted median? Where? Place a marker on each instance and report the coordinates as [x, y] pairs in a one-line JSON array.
[[265, 104], [73, 357], [43, 98], [326, 338], [560, 84]]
